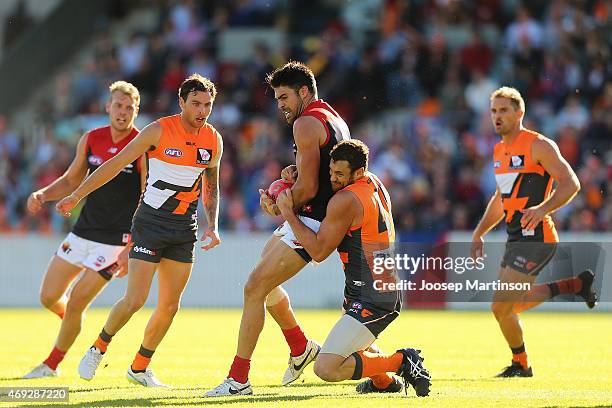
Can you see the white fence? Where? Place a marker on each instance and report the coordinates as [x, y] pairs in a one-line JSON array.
[[219, 275]]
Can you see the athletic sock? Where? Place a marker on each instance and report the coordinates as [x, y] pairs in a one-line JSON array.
[[240, 369], [519, 355], [142, 360], [296, 340], [369, 364], [54, 358], [382, 381], [565, 286], [102, 341]]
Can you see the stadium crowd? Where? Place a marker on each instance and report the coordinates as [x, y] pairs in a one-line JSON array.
[[413, 83]]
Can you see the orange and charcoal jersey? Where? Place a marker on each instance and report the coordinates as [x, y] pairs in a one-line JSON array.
[[174, 178], [366, 246], [523, 183]]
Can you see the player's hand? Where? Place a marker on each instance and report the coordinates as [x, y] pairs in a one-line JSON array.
[[122, 261], [477, 249], [289, 174], [35, 202], [267, 204], [532, 216], [213, 234], [285, 202], [67, 204]]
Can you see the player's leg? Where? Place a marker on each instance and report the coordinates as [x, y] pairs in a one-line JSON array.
[[581, 285], [172, 278], [140, 276], [344, 356], [59, 275], [503, 309], [280, 264]]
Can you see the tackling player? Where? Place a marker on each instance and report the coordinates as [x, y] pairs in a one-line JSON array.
[[359, 224]]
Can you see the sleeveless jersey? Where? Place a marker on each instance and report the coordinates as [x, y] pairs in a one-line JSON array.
[[337, 130], [174, 178], [523, 183], [366, 246], [107, 214]]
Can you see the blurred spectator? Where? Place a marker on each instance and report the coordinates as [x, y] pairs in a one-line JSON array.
[[413, 80]]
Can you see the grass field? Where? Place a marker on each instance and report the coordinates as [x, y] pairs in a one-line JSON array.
[[571, 355]]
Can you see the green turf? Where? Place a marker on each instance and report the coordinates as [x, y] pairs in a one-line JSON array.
[[571, 355]]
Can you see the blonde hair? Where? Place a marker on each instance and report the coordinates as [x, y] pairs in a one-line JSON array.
[[127, 89], [511, 93]]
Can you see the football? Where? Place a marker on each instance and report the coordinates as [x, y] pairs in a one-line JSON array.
[[277, 187]]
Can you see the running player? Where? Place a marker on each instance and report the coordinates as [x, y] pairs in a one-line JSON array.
[[359, 224], [317, 127], [525, 165], [183, 153], [97, 243]]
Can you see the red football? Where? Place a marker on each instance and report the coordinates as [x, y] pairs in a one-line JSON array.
[[277, 187]]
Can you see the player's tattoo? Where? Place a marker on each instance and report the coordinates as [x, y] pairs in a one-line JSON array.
[[211, 190]]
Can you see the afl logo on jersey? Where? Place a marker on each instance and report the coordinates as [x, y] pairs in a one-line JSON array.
[[173, 152], [95, 160]]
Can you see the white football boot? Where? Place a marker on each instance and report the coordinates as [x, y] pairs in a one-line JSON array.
[[298, 364], [230, 387], [89, 363], [146, 379], [41, 371]]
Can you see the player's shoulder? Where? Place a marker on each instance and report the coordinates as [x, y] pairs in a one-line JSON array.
[[306, 126], [532, 135]]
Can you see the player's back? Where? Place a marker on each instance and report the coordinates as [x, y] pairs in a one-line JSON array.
[[523, 183], [174, 179], [107, 214], [363, 244], [337, 130]]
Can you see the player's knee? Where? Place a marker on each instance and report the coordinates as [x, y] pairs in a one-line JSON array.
[[76, 303], [169, 309], [134, 303], [48, 299], [501, 309], [325, 371], [255, 287]]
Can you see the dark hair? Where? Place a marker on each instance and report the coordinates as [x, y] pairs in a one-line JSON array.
[[354, 151], [293, 74], [196, 83]]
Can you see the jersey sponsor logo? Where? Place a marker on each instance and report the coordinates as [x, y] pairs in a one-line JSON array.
[[112, 150], [126, 238], [172, 152], [95, 160], [204, 156], [143, 250], [356, 305], [517, 162], [358, 283], [307, 208], [188, 143], [101, 259], [66, 248], [496, 164], [528, 233], [366, 313]]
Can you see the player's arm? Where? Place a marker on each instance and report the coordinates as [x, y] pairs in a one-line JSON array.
[[546, 152], [143, 171], [147, 138], [210, 197], [492, 216], [307, 132], [66, 183], [341, 211]]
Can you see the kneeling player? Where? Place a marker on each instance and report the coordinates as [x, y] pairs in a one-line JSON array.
[[359, 224]]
